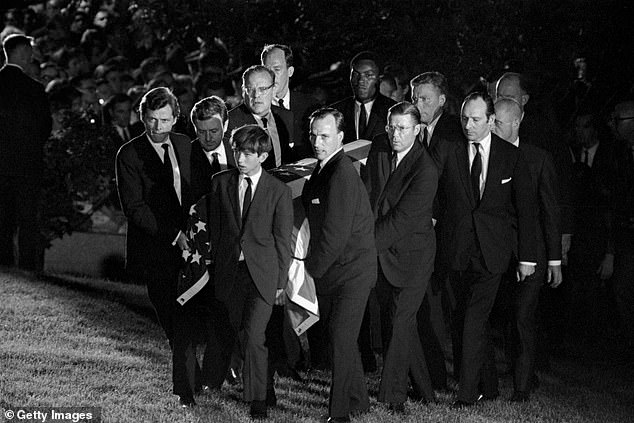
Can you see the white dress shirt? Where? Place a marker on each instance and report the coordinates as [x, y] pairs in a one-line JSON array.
[[242, 189]]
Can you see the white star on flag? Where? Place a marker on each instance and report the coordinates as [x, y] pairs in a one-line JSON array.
[[196, 257], [185, 255], [200, 226]]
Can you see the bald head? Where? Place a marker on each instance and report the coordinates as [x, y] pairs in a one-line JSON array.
[[508, 116], [510, 86], [624, 121]]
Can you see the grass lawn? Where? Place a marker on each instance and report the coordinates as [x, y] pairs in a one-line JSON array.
[[70, 342]]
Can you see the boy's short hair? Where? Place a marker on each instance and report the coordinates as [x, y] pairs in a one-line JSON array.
[[251, 138]]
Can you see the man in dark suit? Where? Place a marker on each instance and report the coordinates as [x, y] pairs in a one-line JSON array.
[[153, 181], [258, 86], [250, 234], [406, 247], [525, 296], [116, 113], [341, 257], [429, 94], [211, 151], [25, 124], [365, 113], [486, 187], [279, 58]]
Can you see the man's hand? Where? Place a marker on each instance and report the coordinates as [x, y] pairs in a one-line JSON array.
[[566, 240], [280, 298], [554, 276], [182, 243], [606, 268], [524, 271]]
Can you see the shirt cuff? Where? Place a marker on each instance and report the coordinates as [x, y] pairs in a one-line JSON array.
[[554, 262], [528, 263], [177, 236]]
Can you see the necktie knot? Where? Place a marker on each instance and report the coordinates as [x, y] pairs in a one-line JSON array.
[[280, 103], [265, 123]]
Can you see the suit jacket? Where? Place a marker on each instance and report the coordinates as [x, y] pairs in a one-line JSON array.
[[341, 250], [376, 121], [241, 115], [545, 187], [25, 124], [201, 168], [447, 128], [302, 105], [507, 198], [149, 201], [624, 203], [265, 238], [405, 238]]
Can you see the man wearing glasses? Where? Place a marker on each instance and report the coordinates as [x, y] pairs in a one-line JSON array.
[[258, 89], [366, 111]]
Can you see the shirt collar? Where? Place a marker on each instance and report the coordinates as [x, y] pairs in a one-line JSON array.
[[432, 125], [287, 100], [400, 155], [327, 159], [254, 179]]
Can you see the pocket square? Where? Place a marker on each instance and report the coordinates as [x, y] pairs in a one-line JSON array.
[[315, 201], [504, 181]]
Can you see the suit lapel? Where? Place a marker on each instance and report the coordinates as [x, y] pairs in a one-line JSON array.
[[261, 193], [494, 175], [232, 189], [394, 181], [462, 158], [231, 160]]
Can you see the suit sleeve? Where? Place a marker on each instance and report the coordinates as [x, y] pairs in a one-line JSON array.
[[282, 232], [549, 208], [525, 209], [336, 229], [138, 212], [413, 209]]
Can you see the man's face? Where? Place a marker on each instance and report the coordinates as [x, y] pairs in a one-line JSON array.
[[114, 80], [101, 19], [503, 125], [623, 122], [429, 102], [158, 123], [258, 93], [364, 79], [210, 132], [586, 133], [249, 162], [324, 136], [510, 88], [276, 61], [402, 131], [475, 123], [121, 114]]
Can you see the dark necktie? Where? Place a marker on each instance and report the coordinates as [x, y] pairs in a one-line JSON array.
[[215, 164], [280, 103], [584, 157], [425, 138], [393, 162], [476, 170], [167, 164], [363, 120], [265, 123], [246, 202]]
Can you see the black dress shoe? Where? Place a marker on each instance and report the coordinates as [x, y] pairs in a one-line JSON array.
[[258, 410], [338, 419], [185, 401], [460, 404], [271, 398], [396, 408], [520, 396]]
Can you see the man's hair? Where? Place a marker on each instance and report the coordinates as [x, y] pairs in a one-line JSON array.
[[149, 66], [158, 98], [15, 41], [485, 97], [436, 79], [511, 105], [328, 111], [288, 53], [208, 107], [256, 69], [251, 138], [367, 56], [405, 108]]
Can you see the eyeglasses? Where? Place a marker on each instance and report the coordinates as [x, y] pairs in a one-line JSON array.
[[399, 129], [368, 76], [259, 90]]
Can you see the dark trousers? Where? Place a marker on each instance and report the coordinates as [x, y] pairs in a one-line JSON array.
[[249, 315], [342, 313], [19, 215], [623, 291], [160, 280], [401, 344], [475, 290]]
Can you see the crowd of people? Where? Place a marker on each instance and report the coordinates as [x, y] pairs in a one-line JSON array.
[[498, 213]]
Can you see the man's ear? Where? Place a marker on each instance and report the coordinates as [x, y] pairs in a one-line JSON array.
[[263, 156], [441, 99], [417, 129], [291, 71], [525, 99], [340, 136], [225, 126]]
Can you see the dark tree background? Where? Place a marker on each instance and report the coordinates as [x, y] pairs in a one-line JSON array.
[[464, 39]]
